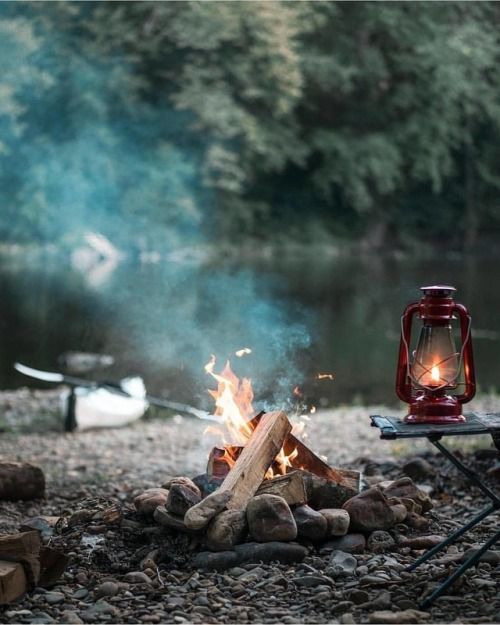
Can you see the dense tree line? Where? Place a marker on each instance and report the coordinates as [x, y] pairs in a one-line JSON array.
[[378, 120]]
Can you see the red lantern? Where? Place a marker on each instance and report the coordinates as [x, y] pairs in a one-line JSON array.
[[430, 380]]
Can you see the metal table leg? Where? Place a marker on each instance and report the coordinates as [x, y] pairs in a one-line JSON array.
[[460, 571], [451, 539], [495, 505]]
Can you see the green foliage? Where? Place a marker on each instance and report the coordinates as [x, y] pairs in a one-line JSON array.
[[241, 116]]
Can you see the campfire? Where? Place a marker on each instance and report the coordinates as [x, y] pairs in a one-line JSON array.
[[259, 479]]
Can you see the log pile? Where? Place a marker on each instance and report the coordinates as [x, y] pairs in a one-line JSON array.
[[26, 563], [237, 504]]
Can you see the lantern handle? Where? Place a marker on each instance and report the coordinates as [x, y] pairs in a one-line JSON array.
[[466, 355], [403, 384]]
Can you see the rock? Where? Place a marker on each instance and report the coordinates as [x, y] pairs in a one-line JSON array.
[[80, 516], [410, 505], [68, 616], [338, 521], [310, 524], [350, 543], [494, 472], [418, 468], [417, 522], [137, 577], [250, 553], [341, 564], [181, 497], [183, 481], [202, 513], [106, 589], [96, 611], [369, 511], [405, 488], [54, 597], [147, 502], [405, 617], [226, 530], [310, 581], [347, 619], [81, 593], [422, 542], [163, 517], [270, 519], [206, 484], [489, 556], [400, 512], [380, 541], [359, 596], [322, 493]]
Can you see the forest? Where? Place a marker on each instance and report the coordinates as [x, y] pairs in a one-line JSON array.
[[171, 122]]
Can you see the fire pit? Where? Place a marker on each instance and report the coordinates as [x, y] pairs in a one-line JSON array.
[[265, 494]]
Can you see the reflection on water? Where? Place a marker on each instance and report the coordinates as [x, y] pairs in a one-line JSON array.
[[300, 315]]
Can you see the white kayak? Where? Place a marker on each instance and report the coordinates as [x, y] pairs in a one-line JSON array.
[[100, 408]]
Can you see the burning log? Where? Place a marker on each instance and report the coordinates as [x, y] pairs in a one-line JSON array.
[[290, 486], [257, 456]]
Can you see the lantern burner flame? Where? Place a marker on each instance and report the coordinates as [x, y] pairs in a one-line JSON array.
[[435, 374]]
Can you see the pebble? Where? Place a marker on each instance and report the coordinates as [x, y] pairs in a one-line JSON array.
[[71, 617], [380, 541], [106, 589], [137, 577], [81, 593], [54, 597], [405, 617], [341, 564]]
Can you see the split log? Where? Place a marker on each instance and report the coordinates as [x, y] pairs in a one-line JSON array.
[[13, 582], [290, 486], [257, 456], [53, 563], [25, 549], [21, 481]]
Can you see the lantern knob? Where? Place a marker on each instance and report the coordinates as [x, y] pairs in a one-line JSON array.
[[438, 290]]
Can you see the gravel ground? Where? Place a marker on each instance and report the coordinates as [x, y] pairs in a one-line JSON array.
[[91, 470]]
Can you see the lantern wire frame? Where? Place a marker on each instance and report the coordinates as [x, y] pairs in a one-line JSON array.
[[447, 383]]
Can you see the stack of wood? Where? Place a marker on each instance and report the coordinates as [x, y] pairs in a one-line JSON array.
[[217, 503], [25, 563]]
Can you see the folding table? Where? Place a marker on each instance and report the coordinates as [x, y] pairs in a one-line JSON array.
[[393, 428]]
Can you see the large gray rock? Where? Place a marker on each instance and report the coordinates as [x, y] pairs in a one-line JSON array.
[[404, 617], [226, 530], [270, 519], [147, 502], [310, 524], [338, 521], [370, 511]]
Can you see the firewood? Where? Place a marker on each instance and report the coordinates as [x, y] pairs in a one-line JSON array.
[[21, 481], [247, 474], [25, 549], [53, 563], [290, 486], [13, 582], [306, 459]]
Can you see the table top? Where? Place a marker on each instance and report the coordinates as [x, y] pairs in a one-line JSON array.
[[475, 423]]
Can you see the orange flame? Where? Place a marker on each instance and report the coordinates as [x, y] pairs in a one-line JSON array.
[[233, 405], [326, 376]]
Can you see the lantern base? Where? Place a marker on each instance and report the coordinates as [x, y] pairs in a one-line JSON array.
[[435, 410]]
